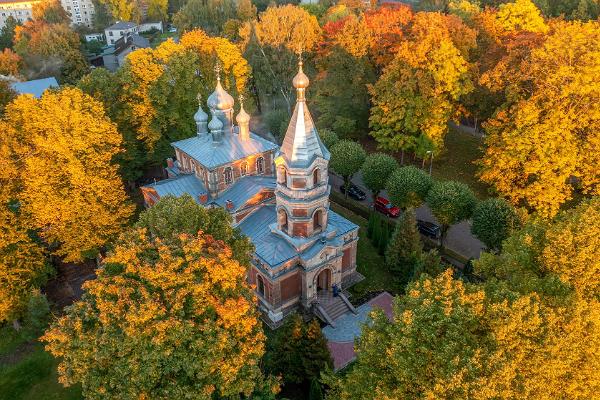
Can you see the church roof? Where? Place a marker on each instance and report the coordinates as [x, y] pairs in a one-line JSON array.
[[302, 142], [244, 189], [230, 149], [273, 249], [35, 87], [184, 184]]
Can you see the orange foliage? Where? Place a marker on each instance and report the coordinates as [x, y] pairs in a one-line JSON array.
[[386, 30], [9, 63]]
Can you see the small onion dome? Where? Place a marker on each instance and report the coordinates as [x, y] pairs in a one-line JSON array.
[[220, 99], [200, 115], [215, 124], [300, 80], [242, 117]]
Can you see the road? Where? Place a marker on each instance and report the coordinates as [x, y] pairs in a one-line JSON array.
[[459, 238]]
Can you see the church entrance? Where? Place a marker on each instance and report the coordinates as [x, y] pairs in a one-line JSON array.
[[324, 280]]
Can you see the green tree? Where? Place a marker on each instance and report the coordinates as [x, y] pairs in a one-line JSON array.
[[277, 121], [408, 186], [384, 238], [180, 312], [376, 170], [316, 392], [7, 33], [328, 137], [7, 94], [209, 15], [405, 249], [450, 203], [346, 159], [172, 216], [371, 224], [493, 221], [299, 352]]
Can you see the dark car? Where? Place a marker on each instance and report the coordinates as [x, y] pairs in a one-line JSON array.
[[354, 192], [384, 206], [429, 229]]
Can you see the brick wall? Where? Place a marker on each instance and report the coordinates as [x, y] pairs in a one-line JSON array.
[[291, 287]]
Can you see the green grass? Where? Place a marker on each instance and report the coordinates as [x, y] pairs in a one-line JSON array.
[[457, 161], [368, 261], [33, 374]]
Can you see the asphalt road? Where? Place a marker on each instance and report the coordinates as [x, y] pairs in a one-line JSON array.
[[459, 238]]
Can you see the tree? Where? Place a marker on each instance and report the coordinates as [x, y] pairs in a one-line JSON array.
[[123, 10], [157, 10], [63, 152], [405, 249], [408, 186], [299, 352], [316, 392], [450, 203], [386, 26], [454, 340], [23, 265], [346, 159], [7, 33], [173, 216], [493, 221], [50, 12], [420, 89], [10, 63], [7, 94], [520, 15], [547, 135], [181, 312], [384, 238], [376, 170], [210, 16], [328, 137]]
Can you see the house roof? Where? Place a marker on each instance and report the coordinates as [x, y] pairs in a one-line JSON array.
[[273, 249], [203, 150], [179, 186], [35, 87], [244, 189], [120, 25]]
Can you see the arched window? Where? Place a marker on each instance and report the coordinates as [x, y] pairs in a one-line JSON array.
[[282, 176], [228, 175], [317, 217], [244, 169], [316, 177], [283, 219], [260, 165], [260, 285]]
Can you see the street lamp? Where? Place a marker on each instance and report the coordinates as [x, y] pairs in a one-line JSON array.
[[430, 162]]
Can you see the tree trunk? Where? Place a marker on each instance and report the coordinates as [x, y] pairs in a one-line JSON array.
[[346, 186], [402, 157], [16, 325], [443, 236]]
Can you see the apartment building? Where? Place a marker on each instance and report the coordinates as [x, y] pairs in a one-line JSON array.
[[18, 9], [81, 12]]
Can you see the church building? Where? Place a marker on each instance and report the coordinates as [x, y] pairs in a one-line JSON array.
[[277, 196]]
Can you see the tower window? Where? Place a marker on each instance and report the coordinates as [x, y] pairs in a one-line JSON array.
[[260, 285], [283, 220], [228, 175], [317, 220], [260, 165], [282, 176], [244, 169], [316, 177]]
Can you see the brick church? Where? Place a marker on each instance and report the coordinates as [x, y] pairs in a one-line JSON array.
[[277, 196]]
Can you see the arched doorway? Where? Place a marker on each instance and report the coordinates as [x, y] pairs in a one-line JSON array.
[[260, 285], [323, 280]]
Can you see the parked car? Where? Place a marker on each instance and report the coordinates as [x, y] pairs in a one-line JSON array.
[[354, 192], [429, 229], [384, 206]]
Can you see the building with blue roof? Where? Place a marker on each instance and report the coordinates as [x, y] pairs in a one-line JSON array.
[[278, 197], [35, 87]]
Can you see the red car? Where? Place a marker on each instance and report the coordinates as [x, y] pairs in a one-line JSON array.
[[384, 206]]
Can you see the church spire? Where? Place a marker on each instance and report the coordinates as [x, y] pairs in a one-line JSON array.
[[302, 143]]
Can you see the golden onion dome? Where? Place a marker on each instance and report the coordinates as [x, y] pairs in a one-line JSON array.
[[300, 81], [243, 117]]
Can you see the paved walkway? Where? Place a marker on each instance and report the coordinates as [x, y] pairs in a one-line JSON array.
[[340, 340]]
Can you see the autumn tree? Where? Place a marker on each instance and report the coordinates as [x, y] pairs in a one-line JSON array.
[[173, 216], [10, 63], [209, 16], [545, 138], [408, 186], [180, 311], [450, 202], [420, 89], [120, 10], [386, 26], [7, 94], [376, 170], [347, 157], [271, 44], [7, 33], [493, 221], [50, 12], [63, 148]]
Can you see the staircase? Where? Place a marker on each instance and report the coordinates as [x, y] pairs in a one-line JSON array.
[[331, 308]]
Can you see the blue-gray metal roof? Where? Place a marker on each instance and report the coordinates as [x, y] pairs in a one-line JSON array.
[[230, 149], [35, 87], [244, 189], [274, 249], [179, 186]]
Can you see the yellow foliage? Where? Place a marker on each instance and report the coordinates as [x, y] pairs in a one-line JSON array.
[[62, 148], [185, 304], [522, 15]]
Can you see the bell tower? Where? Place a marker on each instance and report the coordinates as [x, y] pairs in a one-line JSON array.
[[302, 194]]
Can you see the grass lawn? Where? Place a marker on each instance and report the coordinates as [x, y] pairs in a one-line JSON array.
[[28, 372], [368, 261]]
